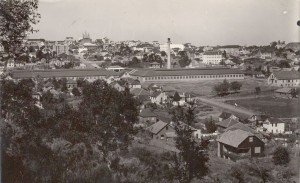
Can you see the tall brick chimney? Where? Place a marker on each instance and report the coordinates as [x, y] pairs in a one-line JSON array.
[[169, 53]]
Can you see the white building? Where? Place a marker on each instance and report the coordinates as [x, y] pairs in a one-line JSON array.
[[274, 125], [115, 68], [212, 57], [60, 48], [284, 78]]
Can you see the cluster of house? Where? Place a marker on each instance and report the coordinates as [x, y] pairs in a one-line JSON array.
[[239, 140], [236, 139]]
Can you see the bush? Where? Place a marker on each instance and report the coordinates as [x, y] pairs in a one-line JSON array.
[[281, 156]]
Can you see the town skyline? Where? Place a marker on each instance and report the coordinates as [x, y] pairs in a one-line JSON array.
[[237, 19]]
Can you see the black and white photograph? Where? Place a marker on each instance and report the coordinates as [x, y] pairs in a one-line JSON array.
[[149, 91]]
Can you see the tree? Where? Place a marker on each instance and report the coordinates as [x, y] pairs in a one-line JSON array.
[[235, 86], [16, 20], [281, 156], [257, 90], [237, 174], [222, 88], [190, 163], [176, 97], [284, 64], [76, 92], [163, 53], [295, 92], [210, 125]]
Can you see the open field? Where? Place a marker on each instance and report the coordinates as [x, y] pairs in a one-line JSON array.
[[204, 88], [277, 107]]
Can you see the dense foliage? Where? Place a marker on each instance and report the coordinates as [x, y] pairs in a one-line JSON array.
[[281, 156], [67, 144], [16, 20]]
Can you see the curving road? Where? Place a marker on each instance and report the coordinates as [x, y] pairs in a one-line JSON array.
[[226, 107]]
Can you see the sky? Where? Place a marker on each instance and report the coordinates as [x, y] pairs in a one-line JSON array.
[[200, 22]]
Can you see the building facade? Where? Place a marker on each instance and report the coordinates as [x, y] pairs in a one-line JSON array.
[[60, 48], [194, 74], [284, 79], [212, 57]]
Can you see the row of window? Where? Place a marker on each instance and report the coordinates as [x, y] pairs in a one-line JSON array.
[[87, 77], [195, 77]]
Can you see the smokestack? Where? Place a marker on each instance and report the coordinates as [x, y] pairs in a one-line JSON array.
[[169, 53]]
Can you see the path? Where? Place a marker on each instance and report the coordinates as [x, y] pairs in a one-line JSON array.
[[240, 98], [227, 107]]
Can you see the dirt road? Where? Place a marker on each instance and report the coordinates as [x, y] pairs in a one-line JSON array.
[[226, 107]]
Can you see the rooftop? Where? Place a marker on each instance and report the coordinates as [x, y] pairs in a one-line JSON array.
[[227, 123], [287, 74], [157, 127], [23, 74], [234, 137], [185, 71]]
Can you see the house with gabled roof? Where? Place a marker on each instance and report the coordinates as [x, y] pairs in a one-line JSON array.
[[165, 132], [238, 144], [284, 78], [158, 97], [283, 92], [223, 125], [117, 86], [147, 116], [261, 135], [274, 125], [71, 83], [225, 115]]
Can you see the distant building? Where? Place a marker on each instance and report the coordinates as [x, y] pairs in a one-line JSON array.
[[69, 40], [212, 57], [223, 125], [295, 46], [85, 38], [87, 74], [115, 68], [147, 116], [284, 92], [60, 48], [36, 43], [284, 79], [155, 65], [193, 74], [230, 49], [274, 125], [165, 132], [164, 47]]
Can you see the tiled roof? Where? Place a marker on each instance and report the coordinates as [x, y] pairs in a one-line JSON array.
[[225, 115], [147, 113], [156, 94], [185, 72], [62, 73], [227, 123], [284, 90], [157, 127], [234, 137], [139, 92], [246, 128], [275, 120], [287, 74], [230, 46], [212, 53]]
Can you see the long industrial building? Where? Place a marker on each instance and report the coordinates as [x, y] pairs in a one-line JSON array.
[[194, 74]]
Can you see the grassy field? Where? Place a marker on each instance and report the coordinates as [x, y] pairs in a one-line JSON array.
[[277, 107], [204, 88]]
